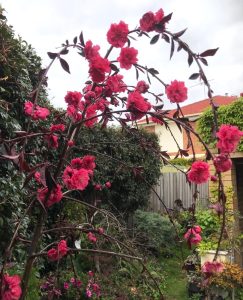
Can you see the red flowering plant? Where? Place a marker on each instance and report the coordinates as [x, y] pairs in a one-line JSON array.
[[105, 97]]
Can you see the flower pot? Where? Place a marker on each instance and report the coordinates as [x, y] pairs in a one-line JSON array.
[[208, 255]]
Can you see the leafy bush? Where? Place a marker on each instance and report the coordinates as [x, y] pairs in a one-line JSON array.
[[155, 232], [227, 114]]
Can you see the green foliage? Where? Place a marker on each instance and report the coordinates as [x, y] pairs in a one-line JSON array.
[[154, 231], [209, 222], [179, 161], [227, 114], [121, 158]]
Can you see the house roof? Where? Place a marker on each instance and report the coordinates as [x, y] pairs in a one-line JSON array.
[[198, 107]]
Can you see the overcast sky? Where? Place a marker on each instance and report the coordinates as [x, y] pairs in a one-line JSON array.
[[211, 23]]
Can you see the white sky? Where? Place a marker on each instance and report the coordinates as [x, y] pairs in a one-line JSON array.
[[211, 23]]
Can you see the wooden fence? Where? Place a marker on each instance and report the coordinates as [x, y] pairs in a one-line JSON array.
[[173, 186]]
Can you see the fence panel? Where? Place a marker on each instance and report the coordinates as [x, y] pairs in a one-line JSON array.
[[173, 186]]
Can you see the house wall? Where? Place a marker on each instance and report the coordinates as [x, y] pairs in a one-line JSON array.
[[166, 140], [198, 148]]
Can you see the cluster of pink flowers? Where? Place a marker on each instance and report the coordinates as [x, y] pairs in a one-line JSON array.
[[11, 287], [176, 91], [74, 282], [55, 195], [91, 237], [77, 176], [138, 105], [92, 287], [37, 112], [193, 235], [210, 268], [56, 254], [153, 21], [199, 172], [228, 139]]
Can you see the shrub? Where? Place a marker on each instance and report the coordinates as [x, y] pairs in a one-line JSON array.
[[154, 231]]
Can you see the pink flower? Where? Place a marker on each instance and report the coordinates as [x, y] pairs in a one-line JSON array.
[[192, 236], [91, 237], [176, 91], [128, 57], [79, 180], [71, 143], [37, 177], [138, 105], [73, 98], [115, 84], [54, 197], [222, 163], [213, 267], [142, 87], [62, 248], [213, 178], [98, 67], [57, 127], [39, 113], [147, 22], [88, 293], [101, 230], [66, 286], [108, 184], [72, 280], [88, 162], [52, 254], [11, 287], [229, 137], [98, 187], [117, 34], [91, 115], [56, 254], [91, 51], [91, 273], [199, 172]]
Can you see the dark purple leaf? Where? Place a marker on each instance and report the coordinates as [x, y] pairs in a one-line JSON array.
[[64, 51], [172, 48], [179, 48], [114, 68], [81, 39], [190, 59], [184, 152], [50, 182], [128, 43], [75, 40], [180, 33], [166, 37], [165, 154], [194, 76], [147, 120], [148, 78], [167, 18], [137, 74], [52, 55], [204, 61], [64, 65], [154, 39], [209, 52], [153, 71]]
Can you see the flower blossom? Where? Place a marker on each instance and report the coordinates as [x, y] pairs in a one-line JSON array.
[[138, 105], [90, 51], [210, 268], [57, 127], [73, 98], [56, 254], [11, 288], [75, 179], [153, 22], [54, 197], [222, 163], [91, 237], [98, 67], [117, 34], [229, 137], [52, 141], [192, 236], [199, 172], [128, 57], [37, 112], [115, 84], [142, 87], [176, 91]]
